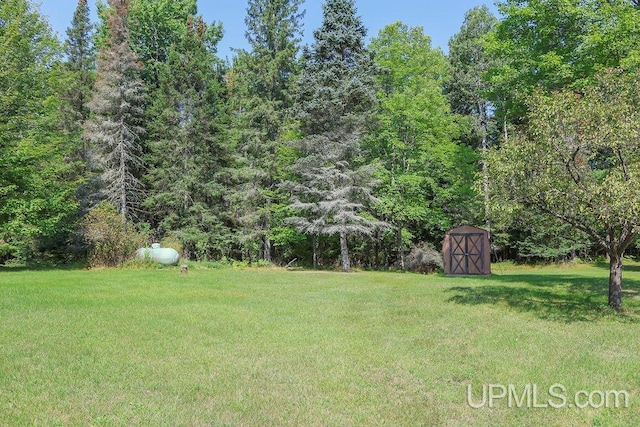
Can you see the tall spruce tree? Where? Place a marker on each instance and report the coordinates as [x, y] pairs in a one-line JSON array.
[[80, 68], [81, 63], [188, 149], [335, 105], [115, 129], [261, 96]]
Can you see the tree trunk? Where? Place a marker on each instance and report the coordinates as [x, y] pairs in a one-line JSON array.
[[266, 246], [344, 251], [266, 241], [485, 182], [505, 129], [615, 281], [400, 247], [315, 251], [376, 250]]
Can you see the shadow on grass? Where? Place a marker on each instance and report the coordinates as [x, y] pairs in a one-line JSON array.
[[44, 267], [562, 298], [628, 266]]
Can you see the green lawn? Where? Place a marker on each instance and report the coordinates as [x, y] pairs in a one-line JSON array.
[[276, 347]]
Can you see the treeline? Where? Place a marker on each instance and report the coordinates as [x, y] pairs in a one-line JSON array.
[[344, 152]]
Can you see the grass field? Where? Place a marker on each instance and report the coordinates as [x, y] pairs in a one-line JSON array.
[[275, 347]]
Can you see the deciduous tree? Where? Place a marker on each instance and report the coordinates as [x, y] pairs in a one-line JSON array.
[[37, 187], [558, 44], [154, 25], [579, 161], [468, 88], [427, 176]]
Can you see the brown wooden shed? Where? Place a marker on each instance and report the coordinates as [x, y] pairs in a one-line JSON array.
[[466, 251]]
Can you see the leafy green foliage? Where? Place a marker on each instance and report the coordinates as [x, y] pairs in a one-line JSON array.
[[558, 45], [579, 162], [467, 88], [154, 26], [37, 184], [112, 238], [528, 236], [426, 175], [280, 156]]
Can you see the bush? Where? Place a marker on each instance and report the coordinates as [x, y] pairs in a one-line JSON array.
[[424, 259], [141, 264], [172, 241], [112, 238]]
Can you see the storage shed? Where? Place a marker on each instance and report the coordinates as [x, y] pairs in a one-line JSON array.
[[466, 251]]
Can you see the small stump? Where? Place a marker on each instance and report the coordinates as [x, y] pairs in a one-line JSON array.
[[184, 268]]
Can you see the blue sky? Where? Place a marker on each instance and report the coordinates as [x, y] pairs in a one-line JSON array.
[[440, 19]]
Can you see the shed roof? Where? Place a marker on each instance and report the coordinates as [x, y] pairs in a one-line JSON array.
[[467, 229]]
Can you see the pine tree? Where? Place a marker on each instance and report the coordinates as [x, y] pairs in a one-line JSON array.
[[188, 149], [336, 99], [81, 62], [261, 86], [77, 90], [115, 129]]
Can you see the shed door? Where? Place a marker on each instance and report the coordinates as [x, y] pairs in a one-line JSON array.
[[467, 253]]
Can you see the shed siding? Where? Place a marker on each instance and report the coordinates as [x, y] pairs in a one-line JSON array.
[[466, 251]]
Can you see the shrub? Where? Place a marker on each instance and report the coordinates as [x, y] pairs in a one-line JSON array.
[[172, 241], [111, 237], [424, 259]]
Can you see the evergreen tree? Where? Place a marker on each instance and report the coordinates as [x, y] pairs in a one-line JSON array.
[[77, 90], [335, 105], [81, 63], [261, 82], [115, 129], [578, 160], [188, 149]]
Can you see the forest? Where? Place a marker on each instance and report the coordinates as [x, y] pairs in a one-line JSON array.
[[348, 152]]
